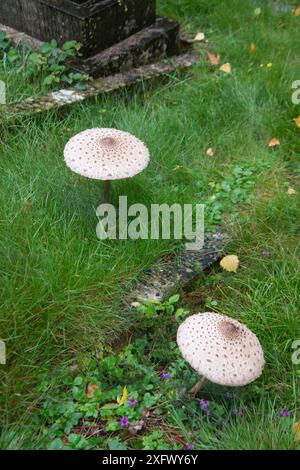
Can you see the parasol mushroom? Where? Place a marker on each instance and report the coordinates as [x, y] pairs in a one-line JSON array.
[[106, 154], [221, 349]]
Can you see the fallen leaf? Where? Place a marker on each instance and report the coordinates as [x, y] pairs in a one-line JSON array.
[[27, 205], [230, 263], [269, 65], [291, 191], [91, 390], [274, 142], [252, 48], [297, 431], [297, 426], [257, 11], [210, 152], [297, 121], [214, 59], [122, 400], [226, 68], [199, 37], [296, 11]]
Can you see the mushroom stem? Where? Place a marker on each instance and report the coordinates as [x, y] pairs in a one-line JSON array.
[[197, 387], [107, 186]]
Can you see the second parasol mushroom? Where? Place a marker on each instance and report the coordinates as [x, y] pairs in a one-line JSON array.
[[106, 154], [221, 349]]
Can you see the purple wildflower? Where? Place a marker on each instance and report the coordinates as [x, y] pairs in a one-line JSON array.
[[204, 405], [189, 446], [265, 253], [132, 402], [238, 412], [229, 394], [285, 413], [165, 374], [124, 422]]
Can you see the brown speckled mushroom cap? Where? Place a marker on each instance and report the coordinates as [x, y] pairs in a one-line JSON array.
[[220, 348], [106, 154]]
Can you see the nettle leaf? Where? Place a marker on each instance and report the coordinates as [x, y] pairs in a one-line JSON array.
[[56, 444], [174, 299], [115, 444]]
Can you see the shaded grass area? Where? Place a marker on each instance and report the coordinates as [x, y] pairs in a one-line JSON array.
[[61, 287]]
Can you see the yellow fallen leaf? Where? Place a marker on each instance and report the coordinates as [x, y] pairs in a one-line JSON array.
[[210, 152], [291, 191], [214, 59], [230, 263], [274, 142], [122, 400], [296, 11], [297, 431], [297, 121], [226, 68], [252, 48], [257, 11], [297, 426], [199, 37], [269, 65], [91, 390]]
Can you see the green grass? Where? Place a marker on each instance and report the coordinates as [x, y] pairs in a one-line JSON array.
[[61, 287]]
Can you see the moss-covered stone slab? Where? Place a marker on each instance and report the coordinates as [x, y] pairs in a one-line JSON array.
[[60, 99], [167, 277], [18, 37], [96, 24], [156, 42]]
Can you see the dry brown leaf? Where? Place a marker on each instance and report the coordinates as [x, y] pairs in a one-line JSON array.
[[91, 390], [199, 37], [297, 121], [214, 59], [226, 68], [274, 142], [291, 191], [210, 152], [230, 263]]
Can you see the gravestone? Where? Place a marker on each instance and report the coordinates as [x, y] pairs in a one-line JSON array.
[[115, 34]]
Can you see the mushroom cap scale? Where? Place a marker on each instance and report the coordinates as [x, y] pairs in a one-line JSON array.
[[222, 349], [106, 154]]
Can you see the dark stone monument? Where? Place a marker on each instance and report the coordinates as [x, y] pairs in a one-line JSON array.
[[116, 35]]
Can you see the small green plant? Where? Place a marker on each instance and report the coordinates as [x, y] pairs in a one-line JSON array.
[[48, 64]]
